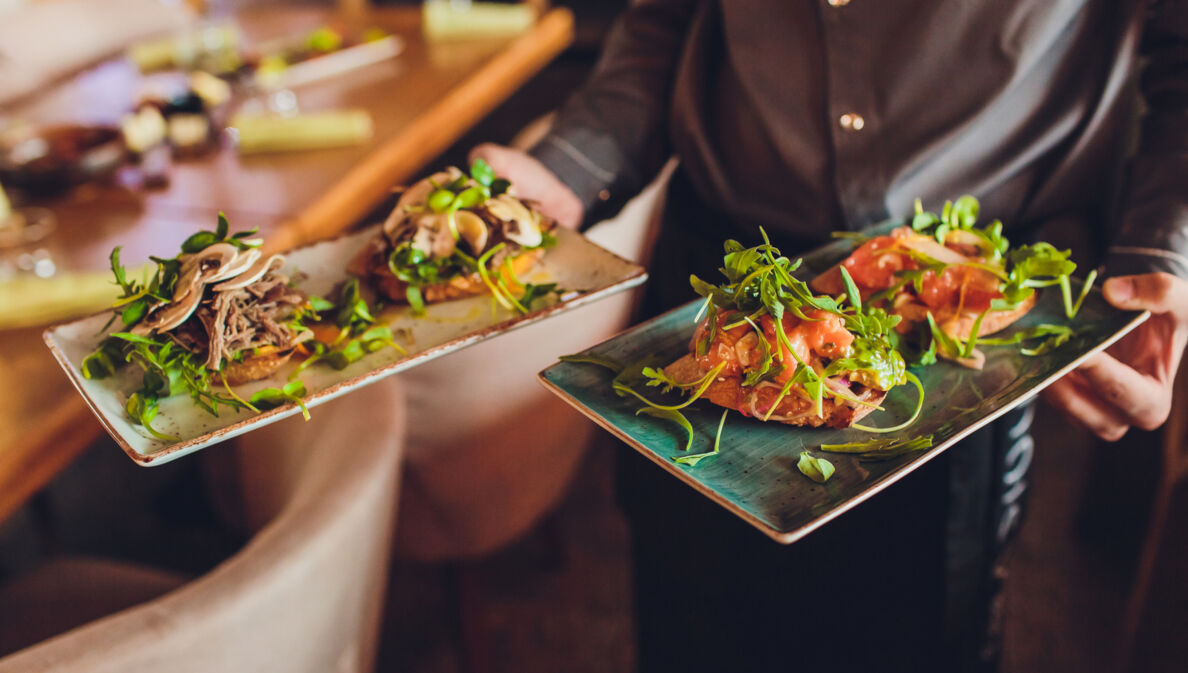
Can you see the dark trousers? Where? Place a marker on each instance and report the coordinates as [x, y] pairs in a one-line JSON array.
[[904, 582]]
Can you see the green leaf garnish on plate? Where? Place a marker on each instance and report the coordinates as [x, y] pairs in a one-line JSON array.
[[817, 469]]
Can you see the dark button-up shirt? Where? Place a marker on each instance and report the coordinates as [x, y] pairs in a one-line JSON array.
[[805, 116]]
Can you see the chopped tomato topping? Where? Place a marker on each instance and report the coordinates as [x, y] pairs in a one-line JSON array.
[[872, 270], [825, 336], [722, 348], [979, 288], [940, 291]]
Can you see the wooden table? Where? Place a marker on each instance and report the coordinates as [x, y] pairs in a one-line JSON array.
[[420, 103]]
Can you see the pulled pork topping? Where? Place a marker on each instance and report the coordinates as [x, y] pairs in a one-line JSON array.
[[227, 304]]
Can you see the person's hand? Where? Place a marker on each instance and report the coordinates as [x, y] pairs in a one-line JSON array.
[[534, 182], [1131, 383]]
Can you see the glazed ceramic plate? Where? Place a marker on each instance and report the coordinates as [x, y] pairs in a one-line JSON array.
[[575, 264], [756, 477]]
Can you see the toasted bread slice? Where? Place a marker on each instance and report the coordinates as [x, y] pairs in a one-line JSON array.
[[456, 288], [959, 326], [253, 367], [794, 409]]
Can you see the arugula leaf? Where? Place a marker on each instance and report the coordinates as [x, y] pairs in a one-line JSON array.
[[851, 291], [968, 349], [271, 398], [882, 448], [533, 292], [701, 385], [915, 414], [768, 368], [134, 312], [671, 415], [696, 458], [143, 410], [104, 361], [711, 331], [202, 240], [121, 276], [817, 469], [1054, 336]]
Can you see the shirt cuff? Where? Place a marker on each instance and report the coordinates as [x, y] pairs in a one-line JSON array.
[[585, 163], [1129, 260]]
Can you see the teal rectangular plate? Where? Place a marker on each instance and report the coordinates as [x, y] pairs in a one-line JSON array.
[[756, 478]]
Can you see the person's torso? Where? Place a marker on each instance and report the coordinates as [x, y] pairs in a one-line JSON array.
[[804, 117]]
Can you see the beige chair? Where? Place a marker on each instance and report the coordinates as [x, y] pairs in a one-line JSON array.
[[306, 593], [490, 451]]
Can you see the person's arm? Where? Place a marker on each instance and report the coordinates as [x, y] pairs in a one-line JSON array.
[[1131, 385], [1153, 235], [609, 138]]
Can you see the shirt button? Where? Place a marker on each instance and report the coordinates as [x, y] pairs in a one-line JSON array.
[[850, 121], [837, 3]]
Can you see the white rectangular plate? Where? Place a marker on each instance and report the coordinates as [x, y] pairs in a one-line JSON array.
[[574, 264]]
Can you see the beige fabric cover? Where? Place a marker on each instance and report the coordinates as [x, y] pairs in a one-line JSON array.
[[305, 594], [490, 451], [66, 592]]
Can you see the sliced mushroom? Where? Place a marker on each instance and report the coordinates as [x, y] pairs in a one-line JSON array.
[[416, 196], [242, 262], [252, 274], [472, 229], [397, 226], [521, 225], [210, 260], [170, 316], [186, 281], [433, 236]]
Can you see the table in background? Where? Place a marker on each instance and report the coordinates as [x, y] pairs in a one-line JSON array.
[[420, 103]]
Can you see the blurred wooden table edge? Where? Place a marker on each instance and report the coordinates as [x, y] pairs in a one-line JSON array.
[[45, 451], [57, 437], [401, 157]]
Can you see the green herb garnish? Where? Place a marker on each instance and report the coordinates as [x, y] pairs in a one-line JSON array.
[[270, 398], [696, 458], [817, 469], [881, 448], [204, 239], [359, 331], [671, 415], [760, 282], [417, 268], [168, 368]]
